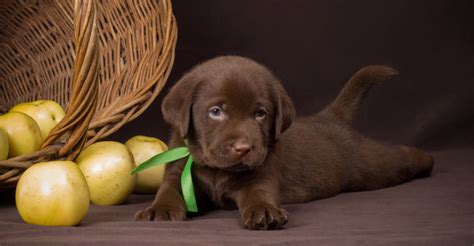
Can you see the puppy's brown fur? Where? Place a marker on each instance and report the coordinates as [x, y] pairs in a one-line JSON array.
[[250, 152]]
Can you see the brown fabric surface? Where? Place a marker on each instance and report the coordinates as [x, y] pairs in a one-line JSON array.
[[314, 46], [431, 211]]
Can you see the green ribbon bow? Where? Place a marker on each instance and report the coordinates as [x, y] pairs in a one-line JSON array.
[[187, 186]]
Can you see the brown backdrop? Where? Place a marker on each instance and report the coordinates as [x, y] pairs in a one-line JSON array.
[[314, 47]]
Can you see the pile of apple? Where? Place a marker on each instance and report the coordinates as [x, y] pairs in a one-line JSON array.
[[23, 129], [59, 192]]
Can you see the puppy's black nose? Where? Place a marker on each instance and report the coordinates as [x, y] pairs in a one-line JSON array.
[[241, 148]]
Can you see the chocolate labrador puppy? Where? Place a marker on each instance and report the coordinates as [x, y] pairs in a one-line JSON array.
[[249, 150]]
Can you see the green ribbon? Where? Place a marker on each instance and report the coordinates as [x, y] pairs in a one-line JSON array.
[[171, 155]]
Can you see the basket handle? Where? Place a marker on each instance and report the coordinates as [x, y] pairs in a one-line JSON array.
[[83, 97]]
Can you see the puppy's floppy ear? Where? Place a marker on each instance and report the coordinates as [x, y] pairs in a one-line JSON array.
[[177, 104], [284, 110]]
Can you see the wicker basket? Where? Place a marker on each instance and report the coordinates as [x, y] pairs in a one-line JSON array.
[[104, 61]]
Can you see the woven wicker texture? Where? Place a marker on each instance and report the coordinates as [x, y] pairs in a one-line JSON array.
[[104, 61]]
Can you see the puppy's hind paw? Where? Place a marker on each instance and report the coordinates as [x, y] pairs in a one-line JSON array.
[[422, 161], [161, 213]]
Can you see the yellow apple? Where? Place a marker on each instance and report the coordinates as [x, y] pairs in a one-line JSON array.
[[107, 166], [46, 113], [143, 148], [52, 193], [24, 135], [3, 145]]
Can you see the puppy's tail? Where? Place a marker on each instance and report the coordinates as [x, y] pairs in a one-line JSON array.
[[348, 102]]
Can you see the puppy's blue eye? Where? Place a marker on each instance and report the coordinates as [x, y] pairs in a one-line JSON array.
[[216, 113]]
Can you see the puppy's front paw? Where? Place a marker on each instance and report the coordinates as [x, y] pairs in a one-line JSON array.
[[264, 217], [161, 213]]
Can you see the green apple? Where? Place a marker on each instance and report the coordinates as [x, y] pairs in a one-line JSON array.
[[107, 167], [143, 148], [46, 113], [24, 135], [52, 193], [3, 145]]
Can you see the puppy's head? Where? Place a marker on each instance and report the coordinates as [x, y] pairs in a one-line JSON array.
[[231, 109]]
